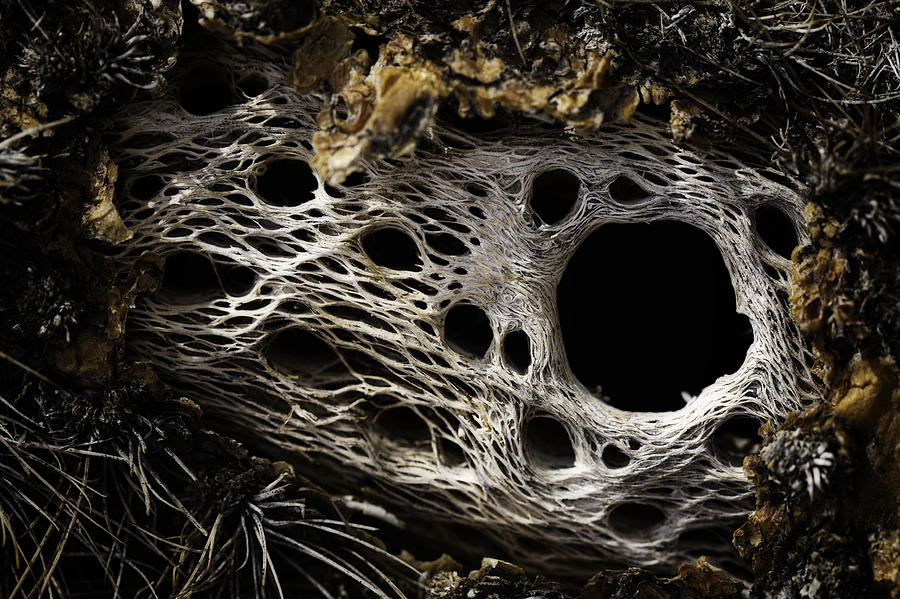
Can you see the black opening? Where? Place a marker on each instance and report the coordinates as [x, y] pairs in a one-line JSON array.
[[297, 351], [402, 425], [447, 244], [548, 443], [451, 453], [735, 439], [614, 458], [553, 195], [206, 88], [517, 350], [625, 191], [355, 179], [146, 187], [647, 311], [635, 519], [253, 84], [287, 183], [370, 43], [391, 248], [776, 230], [472, 123], [190, 277], [467, 329]]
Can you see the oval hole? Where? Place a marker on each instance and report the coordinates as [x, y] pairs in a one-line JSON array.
[[635, 519], [517, 350], [655, 294], [614, 458], [625, 191], [189, 277], [296, 351], [451, 453], [735, 439], [775, 229], [286, 183], [402, 425], [206, 88], [145, 188], [253, 85], [467, 329], [554, 194], [548, 443], [391, 248], [447, 244]]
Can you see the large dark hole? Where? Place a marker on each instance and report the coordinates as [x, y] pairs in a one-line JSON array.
[[286, 183], [635, 519], [776, 230], [517, 350], [648, 311], [467, 329], [391, 248], [735, 439], [548, 443], [206, 88], [296, 351], [554, 194], [402, 425], [625, 191]]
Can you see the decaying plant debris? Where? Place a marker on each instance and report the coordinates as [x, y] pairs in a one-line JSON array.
[[112, 482]]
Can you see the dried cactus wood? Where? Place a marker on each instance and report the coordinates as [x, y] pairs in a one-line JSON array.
[[402, 328]]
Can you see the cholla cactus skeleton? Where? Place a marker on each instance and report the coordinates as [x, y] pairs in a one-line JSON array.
[[304, 342]]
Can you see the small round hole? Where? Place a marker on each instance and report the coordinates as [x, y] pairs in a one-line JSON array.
[[205, 89], [145, 188], [548, 443], [635, 519], [286, 183], [625, 191], [467, 329], [614, 458], [189, 277], [735, 439], [402, 425], [517, 351], [451, 453], [775, 229], [296, 351], [253, 85], [554, 194], [391, 248]]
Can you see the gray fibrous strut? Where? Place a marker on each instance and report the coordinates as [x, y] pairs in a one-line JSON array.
[[312, 318]]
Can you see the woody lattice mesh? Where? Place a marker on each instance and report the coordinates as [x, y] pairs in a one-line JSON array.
[[312, 319]]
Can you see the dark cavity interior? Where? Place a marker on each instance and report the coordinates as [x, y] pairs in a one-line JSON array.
[[548, 443], [205, 89], [776, 230], [391, 248], [554, 194], [287, 183], [467, 329], [647, 311]]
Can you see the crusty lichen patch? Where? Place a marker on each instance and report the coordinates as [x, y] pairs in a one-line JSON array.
[[383, 111]]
